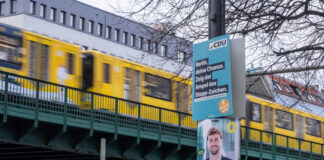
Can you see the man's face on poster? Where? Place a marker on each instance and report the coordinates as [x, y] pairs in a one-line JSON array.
[[214, 143]]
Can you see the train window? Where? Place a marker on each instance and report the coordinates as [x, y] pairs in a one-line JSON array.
[[137, 85], [70, 63], [284, 119], [32, 59], [157, 87], [10, 51], [256, 112], [313, 127], [106, 73], [127, 84], [44, 62]]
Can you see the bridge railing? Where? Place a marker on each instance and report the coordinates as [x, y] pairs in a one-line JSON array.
[[67, 102], [41, 96], [265, 142]]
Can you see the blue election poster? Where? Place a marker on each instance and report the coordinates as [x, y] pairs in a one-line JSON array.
[[212, 91]]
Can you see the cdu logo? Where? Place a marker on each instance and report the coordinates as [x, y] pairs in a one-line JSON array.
[[218, 44]]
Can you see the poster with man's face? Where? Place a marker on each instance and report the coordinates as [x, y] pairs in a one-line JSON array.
[[218, 139]]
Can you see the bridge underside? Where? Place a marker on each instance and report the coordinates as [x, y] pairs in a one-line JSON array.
[[19, 138]]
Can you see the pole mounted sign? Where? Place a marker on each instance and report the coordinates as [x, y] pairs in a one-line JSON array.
[[212, 90]]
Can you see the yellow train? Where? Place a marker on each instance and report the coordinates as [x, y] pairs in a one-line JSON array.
[[300, 126], [32, 55], [40, 57]]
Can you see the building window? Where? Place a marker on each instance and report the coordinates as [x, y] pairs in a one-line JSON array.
[[155, 47], [62, 18], [53, 14], [117, 35], [297, 91], [287, 88], [99, 29], [2, 8], [319, 99], [277, 86], [140, 42], [81, 24], [42, 11], [108, 32], [163, 50], [310, 97], [70, 63], [72, 20], [180, 56], [106, 73], [132, 40], [32, 7], [125, 35], [13, 7], [148, 45], [91, 26]]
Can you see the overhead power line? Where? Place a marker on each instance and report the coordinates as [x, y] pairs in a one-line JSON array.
[[299, 69]]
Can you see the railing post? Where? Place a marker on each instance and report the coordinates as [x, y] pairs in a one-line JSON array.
[[179, 131], [287, 147], [5, 112], [36, 104], [246, 143], [138, 123], [274, 143], [65, 109], [311, 150], [261, 143], [321, 151], [160, 127], [116, 119], [91, 116], [299, 148]]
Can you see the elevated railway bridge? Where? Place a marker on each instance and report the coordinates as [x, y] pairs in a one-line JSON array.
[[41, 120]]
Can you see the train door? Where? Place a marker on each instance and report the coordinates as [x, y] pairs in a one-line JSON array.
[[268, 119], [39, 60], [299, 127], [132, 84]]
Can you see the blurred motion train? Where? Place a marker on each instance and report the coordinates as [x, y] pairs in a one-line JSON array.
[[299, 126], [40, 57]]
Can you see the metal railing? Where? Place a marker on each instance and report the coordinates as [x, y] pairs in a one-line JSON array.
[[276, 145], [67, 102]]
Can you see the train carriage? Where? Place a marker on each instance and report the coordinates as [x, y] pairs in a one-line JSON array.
[[274, 118]]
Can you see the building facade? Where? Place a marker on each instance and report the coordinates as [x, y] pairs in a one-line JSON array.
[[94, 29]]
